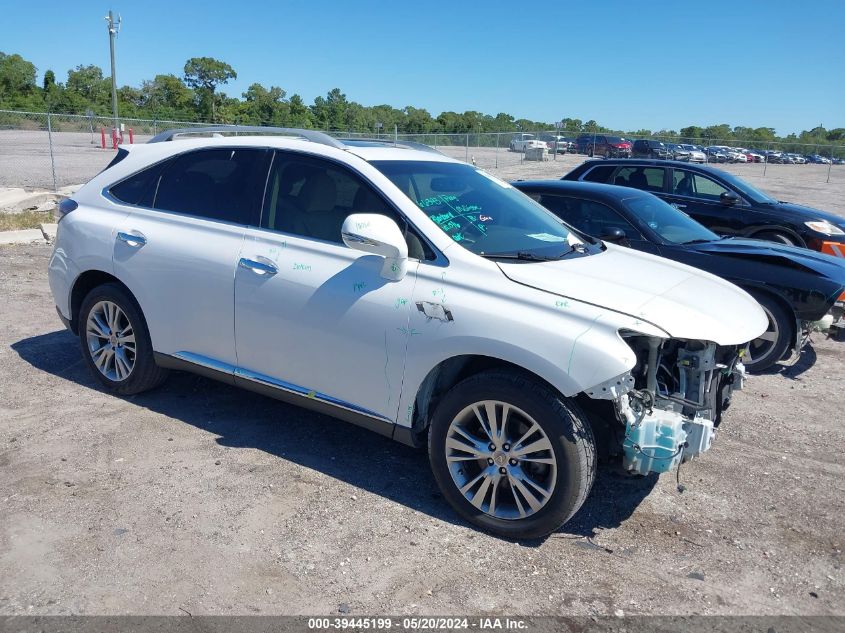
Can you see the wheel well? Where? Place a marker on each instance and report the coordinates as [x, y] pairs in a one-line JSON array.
[[449, 373], [84, 284], [783, 303], [799, 241]]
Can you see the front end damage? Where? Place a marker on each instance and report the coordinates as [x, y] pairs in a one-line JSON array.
[[668, 406]]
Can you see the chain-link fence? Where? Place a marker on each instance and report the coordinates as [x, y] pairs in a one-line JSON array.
[[50, 151]]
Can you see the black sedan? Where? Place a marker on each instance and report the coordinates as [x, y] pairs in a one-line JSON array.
[[794, 286], [722, 202]]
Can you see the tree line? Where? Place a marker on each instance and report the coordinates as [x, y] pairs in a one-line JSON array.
[[196, 96]]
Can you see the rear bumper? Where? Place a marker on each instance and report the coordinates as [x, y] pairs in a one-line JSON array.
[[65, 321]]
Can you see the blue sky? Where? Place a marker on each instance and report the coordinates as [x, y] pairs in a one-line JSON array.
[[626, 64]]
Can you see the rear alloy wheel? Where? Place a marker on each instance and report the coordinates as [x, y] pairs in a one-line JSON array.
[[510, 455], [773, 344], [111, 341], [115, 341]]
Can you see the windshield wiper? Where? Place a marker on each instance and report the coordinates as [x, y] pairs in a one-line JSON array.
[[523, 255], [533, 257], [699, 241]]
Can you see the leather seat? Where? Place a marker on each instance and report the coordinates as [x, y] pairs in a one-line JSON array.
[[684, 187], [318, 216], [637, 179]]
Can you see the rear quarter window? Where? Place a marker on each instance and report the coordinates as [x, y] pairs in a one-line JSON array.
[[139, 189], [599, 174]]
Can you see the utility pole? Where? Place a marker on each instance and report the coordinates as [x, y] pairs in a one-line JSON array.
[[113, 30]]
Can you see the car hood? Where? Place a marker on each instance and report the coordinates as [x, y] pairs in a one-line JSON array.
[[771, 252], [809, 213], [684, 302]]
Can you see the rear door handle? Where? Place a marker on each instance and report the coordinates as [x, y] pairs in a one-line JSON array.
[[133, 240], [259, 268]]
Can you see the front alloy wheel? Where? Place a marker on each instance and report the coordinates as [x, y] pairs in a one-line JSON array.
[[510, 454], [501, 460]]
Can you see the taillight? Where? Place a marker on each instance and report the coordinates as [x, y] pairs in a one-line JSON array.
[[64, 207]]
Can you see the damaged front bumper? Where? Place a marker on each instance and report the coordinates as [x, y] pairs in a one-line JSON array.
[[671, 402]]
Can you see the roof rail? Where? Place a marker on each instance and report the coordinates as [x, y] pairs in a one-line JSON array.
[[393, 143], [309, 135]]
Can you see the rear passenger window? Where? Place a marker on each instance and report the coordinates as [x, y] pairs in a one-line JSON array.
[[645, 178], [216, 184], [599, 174]]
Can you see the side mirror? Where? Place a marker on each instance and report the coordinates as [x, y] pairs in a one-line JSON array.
[[728, 198], [378, 234], [615, 235]]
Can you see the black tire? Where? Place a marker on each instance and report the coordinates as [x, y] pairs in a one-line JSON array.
[[566, 427], [590, 152], [776, 236], [144, 374], [781, 321]]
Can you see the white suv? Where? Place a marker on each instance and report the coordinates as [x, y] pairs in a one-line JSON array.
[[407, 292]]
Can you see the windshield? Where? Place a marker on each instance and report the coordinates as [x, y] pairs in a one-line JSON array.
[[482, 213], [746, 189], [667, 221], [615, 140]]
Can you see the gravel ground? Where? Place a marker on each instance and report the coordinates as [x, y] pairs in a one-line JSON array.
[[205, 499], [25, 162]]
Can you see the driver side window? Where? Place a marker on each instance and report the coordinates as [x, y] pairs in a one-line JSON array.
[[686, 183], [312, 198]]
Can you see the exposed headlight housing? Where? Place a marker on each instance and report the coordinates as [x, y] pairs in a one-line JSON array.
[[824, 227]]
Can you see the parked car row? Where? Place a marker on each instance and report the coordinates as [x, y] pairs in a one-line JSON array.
[[609, 146], [422, 298], [712, 206]]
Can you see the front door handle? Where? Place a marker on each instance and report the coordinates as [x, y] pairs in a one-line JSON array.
[[679, 206], [135, 241], [259, 268]]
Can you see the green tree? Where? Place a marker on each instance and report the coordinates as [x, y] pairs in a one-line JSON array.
[[337, 105], [721, 132], [167, 97], [691, 134], [49, 80], [205, 74], [417, 120], [17, 80], [88, 88], [298, 113], [265, 107]]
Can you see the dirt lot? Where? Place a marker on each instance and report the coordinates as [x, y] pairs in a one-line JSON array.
[[204, 499]]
